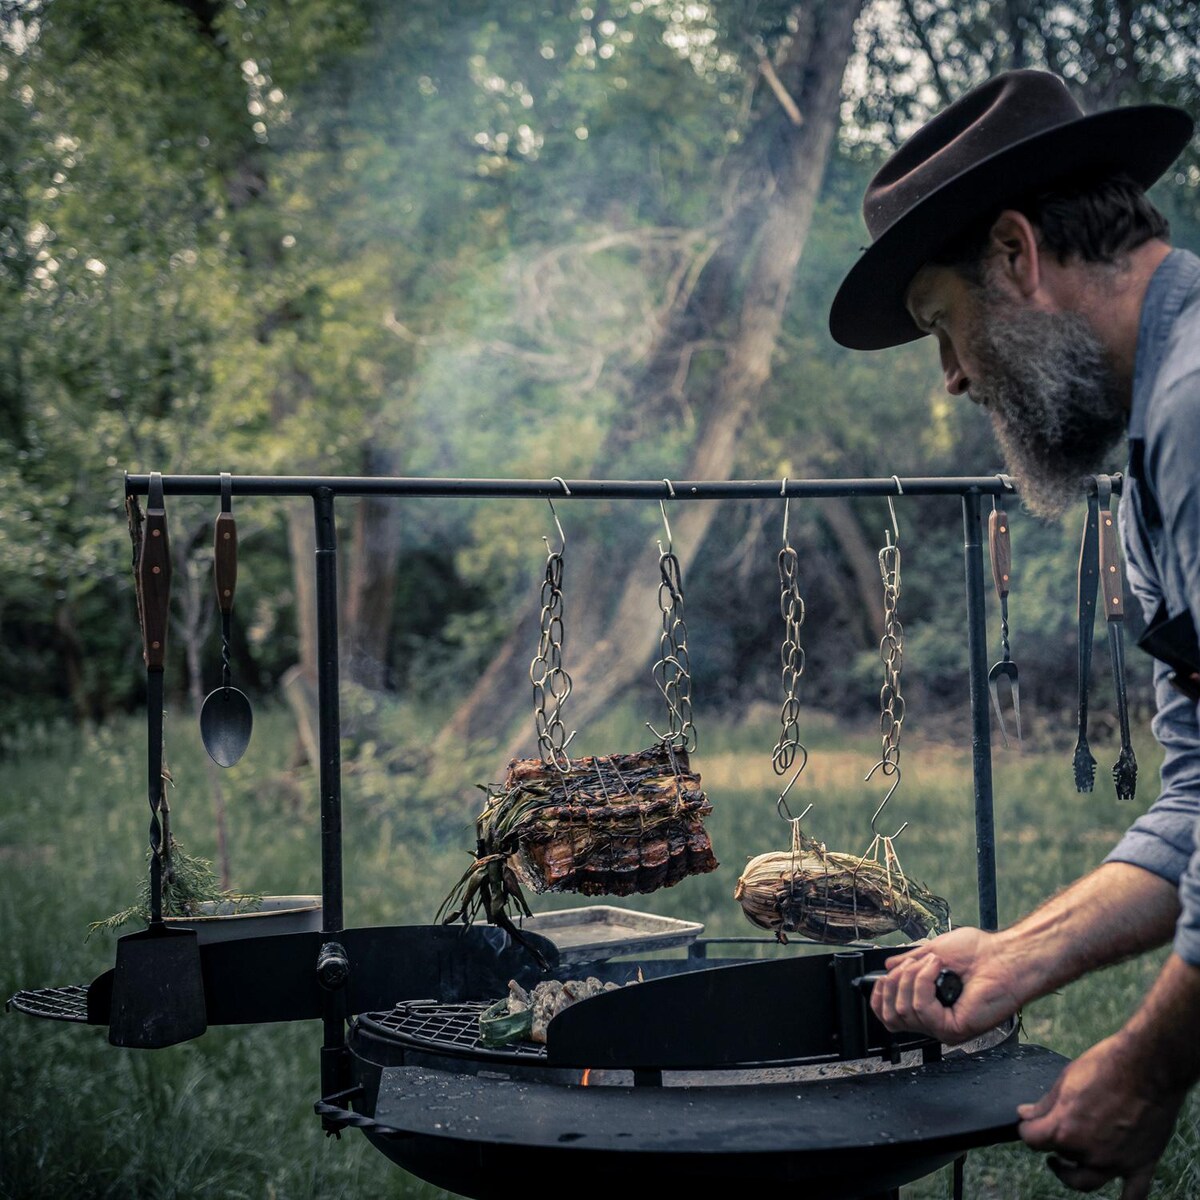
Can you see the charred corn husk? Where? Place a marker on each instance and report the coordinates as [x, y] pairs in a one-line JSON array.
[[837, 898]]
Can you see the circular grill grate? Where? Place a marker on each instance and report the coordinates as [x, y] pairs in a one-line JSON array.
[[445, 1027], [56, 1004]]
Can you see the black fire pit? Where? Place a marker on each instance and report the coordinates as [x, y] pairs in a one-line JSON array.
[[766, 1066], [670, 1083]]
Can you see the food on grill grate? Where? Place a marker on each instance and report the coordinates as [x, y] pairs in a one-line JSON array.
[[837, 898], [522, 1016], [607, 825]]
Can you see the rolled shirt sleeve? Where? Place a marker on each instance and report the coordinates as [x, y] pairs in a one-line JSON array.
[[1164, 840]]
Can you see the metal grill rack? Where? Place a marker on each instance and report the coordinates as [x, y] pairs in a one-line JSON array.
[[54, 1003], [445, 1028]]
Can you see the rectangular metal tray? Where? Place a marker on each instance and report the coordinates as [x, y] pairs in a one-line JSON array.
[[600, 931]]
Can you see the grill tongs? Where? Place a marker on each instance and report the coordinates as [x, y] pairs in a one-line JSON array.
[[1100, 564], [1084, 762]]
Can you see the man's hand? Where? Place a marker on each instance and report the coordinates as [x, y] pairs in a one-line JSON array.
[[904, 1000], [1103, 1118]]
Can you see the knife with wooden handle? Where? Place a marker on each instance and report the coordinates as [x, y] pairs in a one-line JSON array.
[[1113, 590]]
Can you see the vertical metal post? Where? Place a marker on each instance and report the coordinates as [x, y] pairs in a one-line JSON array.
[[981, 732], [328, 712], [333, 1051]]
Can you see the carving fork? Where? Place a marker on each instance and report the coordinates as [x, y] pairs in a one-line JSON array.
[[1000, 549]]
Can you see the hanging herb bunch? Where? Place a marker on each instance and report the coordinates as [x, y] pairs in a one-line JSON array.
[[189, 886]]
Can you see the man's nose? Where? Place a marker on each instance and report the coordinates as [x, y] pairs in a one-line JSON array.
[[957, 382]]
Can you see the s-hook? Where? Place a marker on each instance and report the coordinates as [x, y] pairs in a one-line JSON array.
[[888, 769], [562, 537], [666, 524]]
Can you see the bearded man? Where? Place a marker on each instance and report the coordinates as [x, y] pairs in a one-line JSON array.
[[1015, 229]]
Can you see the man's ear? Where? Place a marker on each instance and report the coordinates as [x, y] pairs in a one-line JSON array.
[[1013, 252]]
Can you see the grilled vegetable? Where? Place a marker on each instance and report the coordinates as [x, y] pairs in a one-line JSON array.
[[523, 1016], [836, 898]]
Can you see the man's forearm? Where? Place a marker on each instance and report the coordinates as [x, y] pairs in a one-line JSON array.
[[1111, 914], [1162, 1033]]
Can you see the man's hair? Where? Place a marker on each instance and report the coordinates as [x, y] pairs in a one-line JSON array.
[[1094, 222]]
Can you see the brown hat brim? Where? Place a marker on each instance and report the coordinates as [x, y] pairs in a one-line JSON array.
[[1142, 141]]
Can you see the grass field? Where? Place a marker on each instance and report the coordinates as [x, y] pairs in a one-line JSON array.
[[229, 1115]]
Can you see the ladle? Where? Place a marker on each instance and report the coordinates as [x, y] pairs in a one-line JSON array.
[[225, 716]]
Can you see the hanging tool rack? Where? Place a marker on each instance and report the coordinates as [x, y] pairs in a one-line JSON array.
[[386, 1072]]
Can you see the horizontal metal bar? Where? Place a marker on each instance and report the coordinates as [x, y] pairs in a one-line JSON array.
[[591, 489]]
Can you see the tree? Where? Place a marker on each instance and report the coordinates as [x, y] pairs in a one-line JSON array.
[[736, 311]]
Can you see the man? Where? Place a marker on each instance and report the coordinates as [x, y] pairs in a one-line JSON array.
[[1016, 231]]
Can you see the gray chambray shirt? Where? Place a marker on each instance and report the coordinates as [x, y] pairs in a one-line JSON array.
[[1159, 517]]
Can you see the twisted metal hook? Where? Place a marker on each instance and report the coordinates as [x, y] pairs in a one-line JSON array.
[[889, 768], [781, 805], [667, 524], [892, 510], [562, 537]]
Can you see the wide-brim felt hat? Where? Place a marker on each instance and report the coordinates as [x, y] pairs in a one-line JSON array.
[[1016, 135]]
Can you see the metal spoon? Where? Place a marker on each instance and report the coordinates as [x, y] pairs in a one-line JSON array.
[[225, 716]]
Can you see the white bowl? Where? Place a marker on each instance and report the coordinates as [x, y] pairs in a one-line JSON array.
[[276, 914]]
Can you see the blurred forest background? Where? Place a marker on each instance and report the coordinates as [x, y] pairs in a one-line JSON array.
[[518, 239]]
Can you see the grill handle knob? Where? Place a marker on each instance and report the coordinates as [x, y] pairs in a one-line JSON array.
[[333, 966], [947, 987]]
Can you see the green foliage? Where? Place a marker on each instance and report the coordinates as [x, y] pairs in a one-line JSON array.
[[191, 884]]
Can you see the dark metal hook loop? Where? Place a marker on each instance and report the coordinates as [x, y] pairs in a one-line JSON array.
[[562, 537], [781, 805], [889, 768], [892, 510]]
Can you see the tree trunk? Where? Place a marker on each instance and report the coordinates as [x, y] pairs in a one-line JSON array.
[[615, 650], [371, 583], [863, 560]]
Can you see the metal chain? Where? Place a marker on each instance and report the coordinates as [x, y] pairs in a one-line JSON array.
[[791, 606], [672, 672], [891, 651], [546, 671]]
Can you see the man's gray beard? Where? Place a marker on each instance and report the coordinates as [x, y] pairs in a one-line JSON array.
[[1055, 402]]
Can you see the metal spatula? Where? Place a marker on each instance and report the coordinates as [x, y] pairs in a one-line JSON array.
[[158, 989]]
